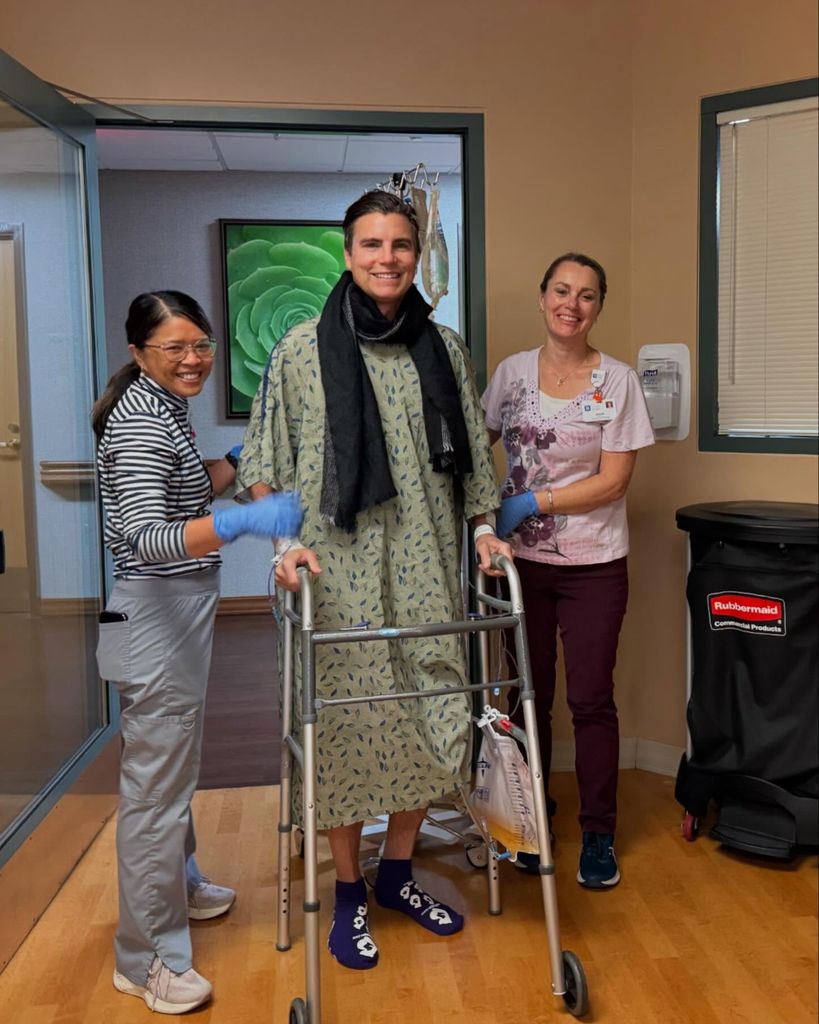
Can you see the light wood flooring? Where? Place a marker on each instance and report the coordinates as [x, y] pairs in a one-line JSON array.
[[693, 933]]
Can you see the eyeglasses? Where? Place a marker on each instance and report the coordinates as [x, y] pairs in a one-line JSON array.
[[175, 351]]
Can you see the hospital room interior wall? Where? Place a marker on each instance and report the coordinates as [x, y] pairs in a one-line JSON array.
[[592, 133], [552, 80], [682, 52]]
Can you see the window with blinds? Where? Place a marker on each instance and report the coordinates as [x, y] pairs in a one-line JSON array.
[[759, 335]]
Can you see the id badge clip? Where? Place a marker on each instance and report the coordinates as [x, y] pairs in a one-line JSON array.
[[598, 408]]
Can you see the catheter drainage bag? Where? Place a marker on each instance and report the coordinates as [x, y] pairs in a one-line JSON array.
[[502, 798]]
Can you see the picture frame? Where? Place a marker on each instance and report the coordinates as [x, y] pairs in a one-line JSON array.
[[276, 274]]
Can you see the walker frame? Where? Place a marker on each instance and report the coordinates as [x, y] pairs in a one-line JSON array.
[[567, 976]]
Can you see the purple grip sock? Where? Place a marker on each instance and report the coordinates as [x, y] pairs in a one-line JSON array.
[[350, 941], [396, 889]]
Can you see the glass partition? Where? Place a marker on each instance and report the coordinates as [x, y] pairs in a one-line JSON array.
[[51, 700]]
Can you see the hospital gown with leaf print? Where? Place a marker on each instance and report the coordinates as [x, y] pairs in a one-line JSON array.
[[400, 567]]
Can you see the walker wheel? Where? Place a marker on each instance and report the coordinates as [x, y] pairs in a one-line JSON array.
[[298, 841], [690, 827], [477, 853], [298, 1012], [576, 996]]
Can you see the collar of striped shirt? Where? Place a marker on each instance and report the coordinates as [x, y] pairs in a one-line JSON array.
[[178, 404]]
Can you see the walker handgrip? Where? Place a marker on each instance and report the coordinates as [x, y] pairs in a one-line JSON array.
[[499, 561], [507, 566]]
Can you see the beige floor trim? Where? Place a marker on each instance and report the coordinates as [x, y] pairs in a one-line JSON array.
[[635, 752]]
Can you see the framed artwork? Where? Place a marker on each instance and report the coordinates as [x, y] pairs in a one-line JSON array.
[[277, 273]]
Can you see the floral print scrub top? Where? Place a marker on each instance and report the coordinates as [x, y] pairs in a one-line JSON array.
[[562, 448], [400, 567]]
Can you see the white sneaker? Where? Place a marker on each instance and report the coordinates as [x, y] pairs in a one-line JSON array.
[[165, 991], [207, 900]]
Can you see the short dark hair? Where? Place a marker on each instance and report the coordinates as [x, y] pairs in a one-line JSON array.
[[145, 314], [584, 261], [379, 202]]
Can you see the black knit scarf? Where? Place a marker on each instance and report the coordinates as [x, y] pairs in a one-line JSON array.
[[356, 466]]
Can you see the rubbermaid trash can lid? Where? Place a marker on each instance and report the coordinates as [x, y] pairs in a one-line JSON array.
[[774, 522]]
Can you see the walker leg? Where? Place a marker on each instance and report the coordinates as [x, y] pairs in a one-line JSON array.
[[285, 822], [493, 885], [546, 867], [493, 874], [312, 906]]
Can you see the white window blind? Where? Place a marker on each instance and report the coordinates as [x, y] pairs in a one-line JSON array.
[[768, 322]]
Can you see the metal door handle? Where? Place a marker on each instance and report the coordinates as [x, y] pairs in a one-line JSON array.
[[13, 443]]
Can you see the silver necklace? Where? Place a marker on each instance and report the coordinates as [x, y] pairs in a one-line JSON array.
[[562, 380]]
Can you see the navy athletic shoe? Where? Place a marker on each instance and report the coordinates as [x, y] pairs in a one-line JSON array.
[[598, 864]]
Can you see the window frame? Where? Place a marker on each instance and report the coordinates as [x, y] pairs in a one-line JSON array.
[[710, 439]]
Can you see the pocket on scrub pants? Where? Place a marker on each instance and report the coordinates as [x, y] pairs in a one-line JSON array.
[[114, 647]]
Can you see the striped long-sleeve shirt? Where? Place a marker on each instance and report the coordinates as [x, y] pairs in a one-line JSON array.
[[152, 481]]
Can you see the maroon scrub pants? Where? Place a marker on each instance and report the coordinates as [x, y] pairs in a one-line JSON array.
[[587, 604]]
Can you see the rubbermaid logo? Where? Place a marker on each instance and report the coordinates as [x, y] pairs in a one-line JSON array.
[[750, 613]]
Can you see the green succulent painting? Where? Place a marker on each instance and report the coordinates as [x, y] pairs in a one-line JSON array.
[[276, 275]]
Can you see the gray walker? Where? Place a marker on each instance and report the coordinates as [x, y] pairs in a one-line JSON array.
[[568, 979]]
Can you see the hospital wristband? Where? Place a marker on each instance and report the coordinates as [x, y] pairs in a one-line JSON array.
[[282, 546], [484, 530]]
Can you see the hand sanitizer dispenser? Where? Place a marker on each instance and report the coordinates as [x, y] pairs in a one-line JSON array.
[[665, 377]]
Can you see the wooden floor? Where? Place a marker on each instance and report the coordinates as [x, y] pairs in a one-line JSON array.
[[692, 934]]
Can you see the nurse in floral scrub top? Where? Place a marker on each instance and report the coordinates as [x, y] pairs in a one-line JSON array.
[[572, 420]]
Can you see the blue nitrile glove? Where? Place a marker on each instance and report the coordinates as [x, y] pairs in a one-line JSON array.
[[232, 456], [277, 515], [514, 510]]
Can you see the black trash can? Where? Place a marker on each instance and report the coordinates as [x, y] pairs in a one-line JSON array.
[[753, 707]]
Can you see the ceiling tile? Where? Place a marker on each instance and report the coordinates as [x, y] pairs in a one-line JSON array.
[[391, 154], [267, 152]]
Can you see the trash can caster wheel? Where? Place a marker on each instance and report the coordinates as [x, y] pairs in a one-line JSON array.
[[690, 827], [576, 996], [477, 854], [298, 1012], [298, 842]]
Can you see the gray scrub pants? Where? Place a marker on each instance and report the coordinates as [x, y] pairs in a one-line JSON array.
[[159, 659]]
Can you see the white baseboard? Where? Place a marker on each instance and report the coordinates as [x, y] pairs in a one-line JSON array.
[[648, 755], [660, 758]]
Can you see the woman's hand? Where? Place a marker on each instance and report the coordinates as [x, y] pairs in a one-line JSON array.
[[223, 472], [514, 510], [487, 545], [277, 515], [287, 576]]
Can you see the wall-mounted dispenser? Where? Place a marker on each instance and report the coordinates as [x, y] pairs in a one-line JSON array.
[[665, 376]]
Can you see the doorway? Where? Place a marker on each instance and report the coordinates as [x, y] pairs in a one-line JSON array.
[[164, 192]]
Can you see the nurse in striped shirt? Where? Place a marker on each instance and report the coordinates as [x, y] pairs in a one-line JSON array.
[[156, 633]]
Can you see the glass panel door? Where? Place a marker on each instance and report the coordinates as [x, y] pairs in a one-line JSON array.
[[51, 700]]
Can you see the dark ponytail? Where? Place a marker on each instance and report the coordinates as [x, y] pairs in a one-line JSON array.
[[114, 390], [145, 314]]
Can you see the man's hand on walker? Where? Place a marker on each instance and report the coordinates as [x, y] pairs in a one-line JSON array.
[[287, 575], [488, 545]]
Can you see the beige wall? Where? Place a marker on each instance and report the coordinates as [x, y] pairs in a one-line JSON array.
[[682, 52], [591, 114]]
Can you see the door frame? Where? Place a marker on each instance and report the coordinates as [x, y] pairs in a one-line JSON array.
[[468, 126], [42, 103], [14, 233]]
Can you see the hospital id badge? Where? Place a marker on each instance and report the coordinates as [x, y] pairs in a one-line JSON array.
[[595, 411]]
